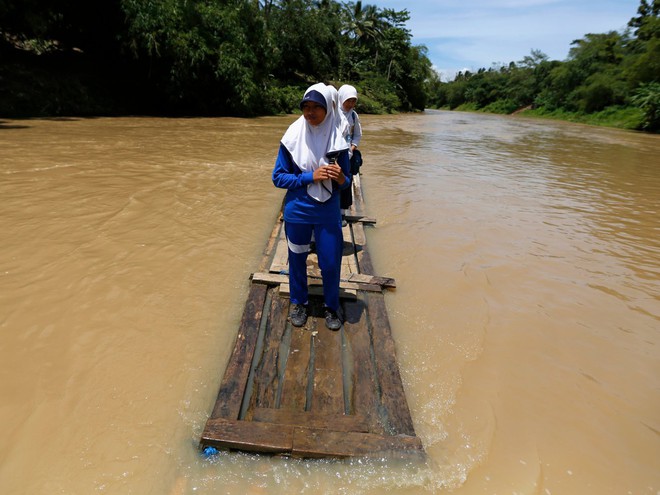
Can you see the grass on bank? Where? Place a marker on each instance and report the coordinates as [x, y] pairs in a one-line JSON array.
[[630, 118]]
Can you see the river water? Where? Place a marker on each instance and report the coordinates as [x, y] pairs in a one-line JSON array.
[[526, 314]]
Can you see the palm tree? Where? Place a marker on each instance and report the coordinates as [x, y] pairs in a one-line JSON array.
[[365, 27]]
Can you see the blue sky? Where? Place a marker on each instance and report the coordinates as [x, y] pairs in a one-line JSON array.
[[470, 34]]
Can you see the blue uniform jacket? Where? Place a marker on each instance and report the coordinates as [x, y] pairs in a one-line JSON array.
[[300, 207]]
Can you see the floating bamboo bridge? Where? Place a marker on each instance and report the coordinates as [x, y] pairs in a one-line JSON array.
[[310, 391]]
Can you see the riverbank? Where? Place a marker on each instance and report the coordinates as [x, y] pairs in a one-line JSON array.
[[618, 117], [68, 85]]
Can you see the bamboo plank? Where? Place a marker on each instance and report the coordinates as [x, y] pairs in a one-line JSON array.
[[232, 387]]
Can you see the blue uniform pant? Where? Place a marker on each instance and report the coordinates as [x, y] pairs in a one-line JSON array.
[[329, 245]]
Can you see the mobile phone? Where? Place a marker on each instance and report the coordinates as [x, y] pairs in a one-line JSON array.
[[332, 156]]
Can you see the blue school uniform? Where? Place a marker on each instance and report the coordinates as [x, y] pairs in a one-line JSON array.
[[304, 215]]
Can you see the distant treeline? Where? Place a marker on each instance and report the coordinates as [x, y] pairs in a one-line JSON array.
[[202, 57], [249, 57], [611, 78]]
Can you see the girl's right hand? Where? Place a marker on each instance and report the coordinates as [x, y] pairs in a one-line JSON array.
[[320, 174]]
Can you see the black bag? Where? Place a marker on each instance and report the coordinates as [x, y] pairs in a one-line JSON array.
[[346, 198], [356, 162]]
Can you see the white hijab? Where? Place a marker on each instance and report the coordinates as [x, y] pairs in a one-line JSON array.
[[345, 92], [344, 126], [310, 144]]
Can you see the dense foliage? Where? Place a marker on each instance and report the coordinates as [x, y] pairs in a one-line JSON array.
[[611, 73], [232, 57], [250, 57]]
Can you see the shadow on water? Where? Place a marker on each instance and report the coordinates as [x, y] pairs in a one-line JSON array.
[[6, 125]]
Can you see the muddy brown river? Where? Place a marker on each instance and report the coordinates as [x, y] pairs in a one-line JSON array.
[[526, 315]]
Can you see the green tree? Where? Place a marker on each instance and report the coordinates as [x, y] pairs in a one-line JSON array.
[[363, 31], [242, 57], [306, 40], [647, 97], [646, 24], [364, 25], [591, 78], [200, 56], [642, 65]]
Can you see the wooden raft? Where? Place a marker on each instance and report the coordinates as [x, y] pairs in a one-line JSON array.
[[310, 391]]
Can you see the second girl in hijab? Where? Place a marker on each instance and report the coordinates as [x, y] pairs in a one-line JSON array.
[[353, 132]]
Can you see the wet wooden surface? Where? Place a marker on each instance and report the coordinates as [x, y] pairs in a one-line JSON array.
[[310, 391]]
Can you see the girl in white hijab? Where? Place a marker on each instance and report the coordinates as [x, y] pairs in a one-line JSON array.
[[348, 97], [313, 166], [353, 132]]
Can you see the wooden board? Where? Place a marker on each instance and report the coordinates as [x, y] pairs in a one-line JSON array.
[[310, 391]]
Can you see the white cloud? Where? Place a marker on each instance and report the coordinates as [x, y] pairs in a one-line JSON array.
[[463, 34]]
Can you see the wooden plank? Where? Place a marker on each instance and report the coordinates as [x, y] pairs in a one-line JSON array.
[[358, 198], [357, 281], [310, 442], [362, 390], [270, 244], [267, 374], [393, 397], [357, 208], [317, 291], [248, 435], [313, 269], [361, 253], [280, 261], [359, 236], [311, 419], [356, 217], [296, 375], [348, 260], [328, 393], [232, 387], [363, 278]]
